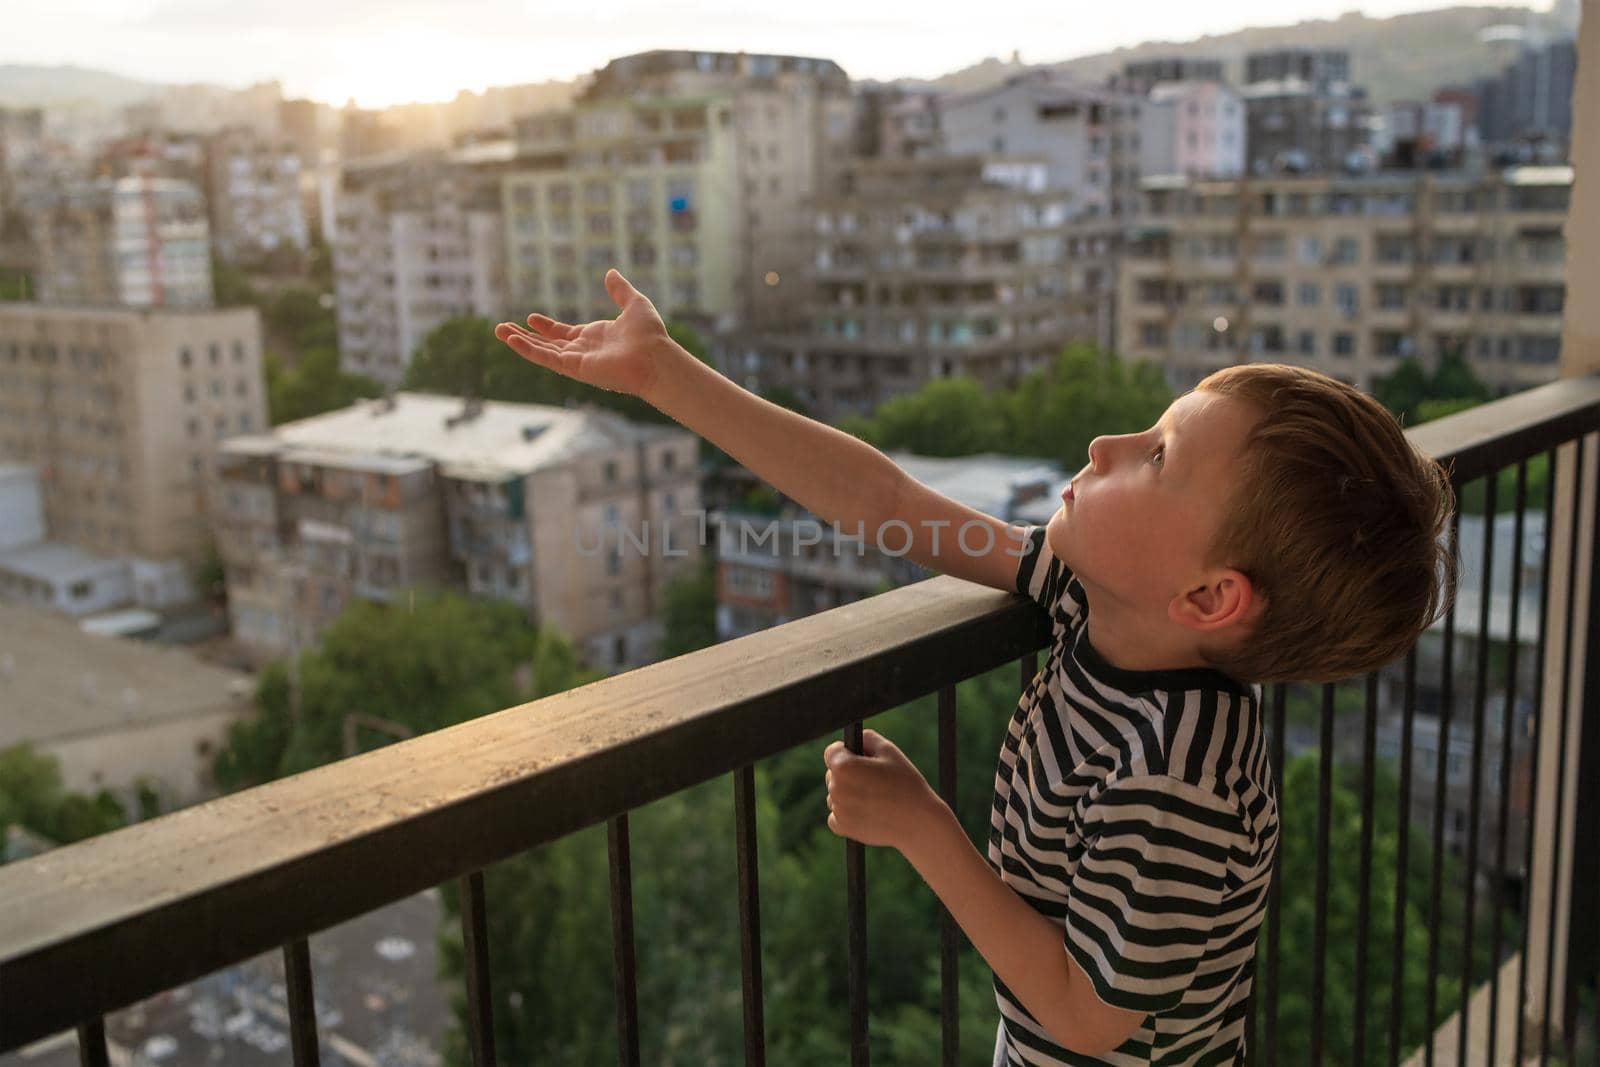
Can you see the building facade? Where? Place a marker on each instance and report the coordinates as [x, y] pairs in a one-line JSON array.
[[1193, 127], [1348, 274], [935, 268], [138, 241], [576, 514], [418, 240], [253, 194], [121, 411]]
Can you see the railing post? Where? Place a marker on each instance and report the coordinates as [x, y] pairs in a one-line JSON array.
[[1554, 800], [1583, 928]]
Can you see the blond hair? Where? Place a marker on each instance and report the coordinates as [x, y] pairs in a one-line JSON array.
[[1337, 520]]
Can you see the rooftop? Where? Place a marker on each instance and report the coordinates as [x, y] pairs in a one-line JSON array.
[[501, 440], [57, 681]]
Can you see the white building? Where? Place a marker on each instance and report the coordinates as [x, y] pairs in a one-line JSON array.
[[253, 192], [1195, 128]]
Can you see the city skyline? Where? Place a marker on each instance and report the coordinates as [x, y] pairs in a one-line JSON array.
[[391, 54]]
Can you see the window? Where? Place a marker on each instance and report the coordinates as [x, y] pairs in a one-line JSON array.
[[1344, 344], [610, 471], [614, 562], [667, 460], [214, 353], [185, 357], [1306, 343], [1348, 298], [188, 394], [238, 351], [1309, 294]]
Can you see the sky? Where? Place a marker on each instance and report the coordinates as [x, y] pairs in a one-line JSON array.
[[382, 52]]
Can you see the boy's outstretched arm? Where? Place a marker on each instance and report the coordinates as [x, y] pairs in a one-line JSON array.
[[835, 476]]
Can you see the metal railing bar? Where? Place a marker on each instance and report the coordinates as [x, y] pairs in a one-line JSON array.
[[1536, 722], [1369, 741], [1507, 746], [1319, 936], [1561, 762], [302, 1003], [1269, 1042], [625, 977], [475, 962], [949, 933], [1440, 795], [1479, 695], [1402, 859], [744, 808], [855, 867]]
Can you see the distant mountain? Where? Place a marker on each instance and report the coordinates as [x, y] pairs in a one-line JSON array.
[[30, 86], [1405, 57]]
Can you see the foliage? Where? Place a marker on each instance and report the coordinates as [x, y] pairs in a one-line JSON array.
[[1052, 413], [316, 385], [1408, 391], [16, 284], [690, 615], [1298, 806], [32, 796], [433, 659]]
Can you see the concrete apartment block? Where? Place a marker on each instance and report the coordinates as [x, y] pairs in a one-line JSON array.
[[1349, 274], [121, 411], [578, 515]]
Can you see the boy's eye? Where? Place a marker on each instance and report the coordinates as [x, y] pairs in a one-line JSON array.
[[1159, 455]]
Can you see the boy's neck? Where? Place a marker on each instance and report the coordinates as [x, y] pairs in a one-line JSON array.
[[1135, 648]]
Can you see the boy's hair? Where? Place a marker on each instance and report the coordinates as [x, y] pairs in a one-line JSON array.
[[1336, 519]]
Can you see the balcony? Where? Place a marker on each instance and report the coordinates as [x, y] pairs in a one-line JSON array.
[[95, 926]]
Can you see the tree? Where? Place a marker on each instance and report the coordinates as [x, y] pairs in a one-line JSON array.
[[32, 796], [1452, 387], [431, 660], [690, 616], [316, 385], [946, 417]]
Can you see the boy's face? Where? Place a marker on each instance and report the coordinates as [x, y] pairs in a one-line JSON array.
[[1144, 511]]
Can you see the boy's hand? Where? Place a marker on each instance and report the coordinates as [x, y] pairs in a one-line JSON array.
[[623, 354], [879, 797]]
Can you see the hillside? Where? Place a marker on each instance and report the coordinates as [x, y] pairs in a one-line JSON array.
[[30, 86], [1404, 57]]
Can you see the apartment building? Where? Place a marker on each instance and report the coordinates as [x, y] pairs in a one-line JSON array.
[[686, 168], [578, 515], [1303, 113], [140, 241], [1192, 127], [121, 410], [773, 569], [933, 268], [1349, 274], [418, 240], [1089, 135], [253, 192]]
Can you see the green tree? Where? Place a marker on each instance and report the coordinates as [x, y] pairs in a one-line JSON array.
[[32, 796], [946, 417], [690, 615], [431, 660], [316, 385], [1408, 391]]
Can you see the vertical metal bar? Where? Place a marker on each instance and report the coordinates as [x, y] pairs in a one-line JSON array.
[[1269, 1044], [949, 933], [1369, 739], [625, 977], [475, 947], [855, 873], [92, 1044], [1440, 799], [1583, 925], [1561, 762], [1479, 695], [302, 1003], [1402, 860], [1535, 722], [1319, 939], [744, 811], [1507, 750]]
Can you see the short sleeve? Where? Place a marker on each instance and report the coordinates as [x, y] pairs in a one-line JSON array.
[[1045, 580], [1149, 891]]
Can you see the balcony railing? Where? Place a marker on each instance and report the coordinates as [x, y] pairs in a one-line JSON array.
[[101, 924]]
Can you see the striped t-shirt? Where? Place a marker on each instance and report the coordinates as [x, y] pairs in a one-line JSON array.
[[1137, 809]]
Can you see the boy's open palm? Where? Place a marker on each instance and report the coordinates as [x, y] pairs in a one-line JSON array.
[[623, 354]]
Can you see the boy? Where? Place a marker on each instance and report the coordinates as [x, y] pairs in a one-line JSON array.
[[1273, 525]]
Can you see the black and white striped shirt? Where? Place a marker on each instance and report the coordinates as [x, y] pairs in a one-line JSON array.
[[1137, 809]]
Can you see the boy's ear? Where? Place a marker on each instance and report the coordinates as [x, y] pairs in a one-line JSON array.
[[1227, 599]]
